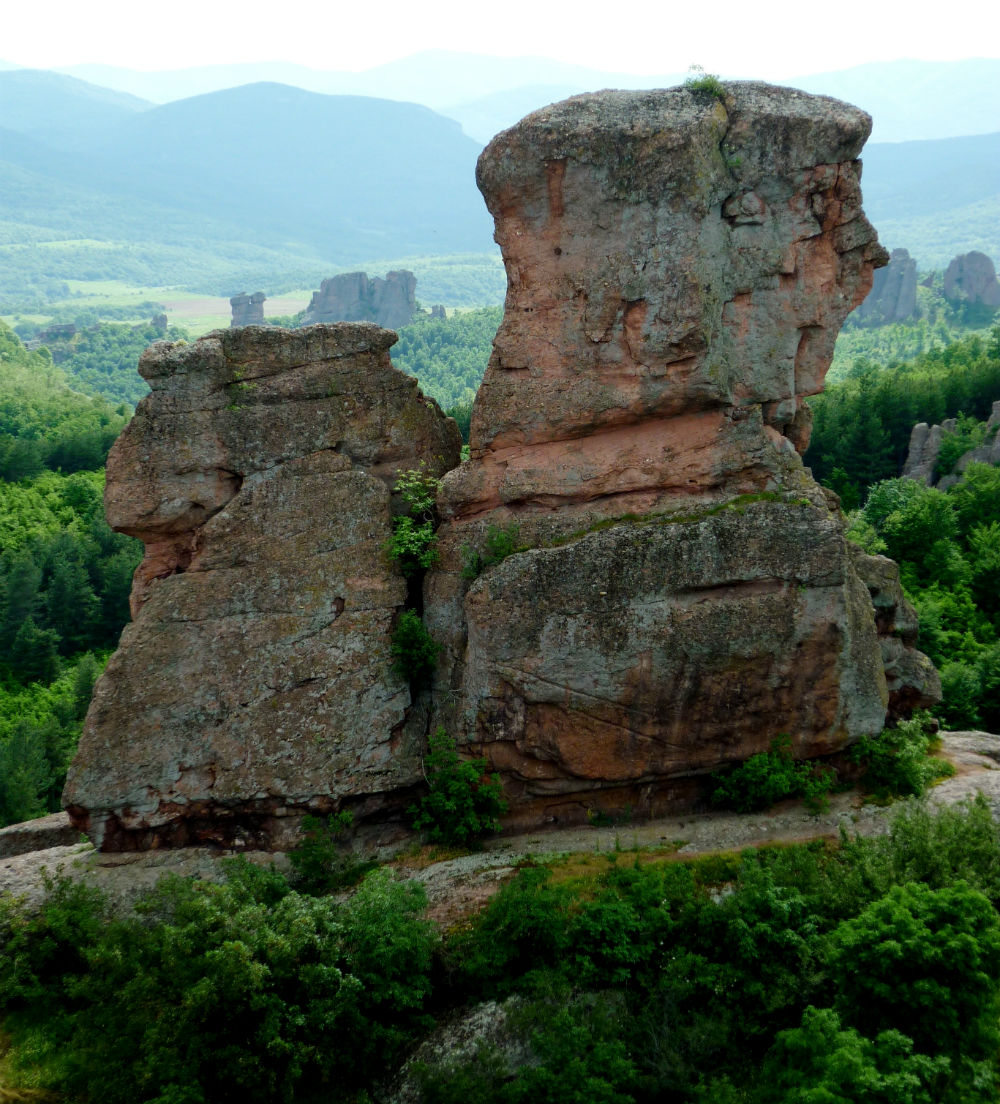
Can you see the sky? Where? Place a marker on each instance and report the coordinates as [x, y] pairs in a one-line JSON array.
[[768, 38]]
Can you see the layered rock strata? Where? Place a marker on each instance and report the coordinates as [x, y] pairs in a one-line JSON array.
[[679, 266], [255, 681]]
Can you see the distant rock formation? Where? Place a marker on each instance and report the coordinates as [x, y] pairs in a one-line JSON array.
[[925, 447], [438, 311], [679, 267], [356, 297], [893, 297], [255, 681], [679, 590], [972, 277], [248, 310]]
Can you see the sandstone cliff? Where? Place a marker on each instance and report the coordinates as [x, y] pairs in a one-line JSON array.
[[678, 269], [679, 590], [255, 681]]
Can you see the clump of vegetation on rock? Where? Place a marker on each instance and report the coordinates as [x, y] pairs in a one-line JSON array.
[[464, 801]]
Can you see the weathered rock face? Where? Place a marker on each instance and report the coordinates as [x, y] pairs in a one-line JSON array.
[[356, 297], [248, 310], [678, 269], [255, 681], [971, 276], [893, 297]]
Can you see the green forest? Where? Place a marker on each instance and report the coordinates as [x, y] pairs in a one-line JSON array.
[[862, 971], [65, 576]]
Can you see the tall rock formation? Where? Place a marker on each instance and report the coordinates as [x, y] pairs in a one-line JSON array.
[[356, 297], [255, 681], [893, 297], [972, 277], [248, 310], [678, 268], [679, 591]]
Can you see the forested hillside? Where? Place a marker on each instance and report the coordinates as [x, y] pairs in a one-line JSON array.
[[947, 543], [64, 575]]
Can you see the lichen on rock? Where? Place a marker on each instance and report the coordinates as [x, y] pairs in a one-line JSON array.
[[680, 590], [256, 681]]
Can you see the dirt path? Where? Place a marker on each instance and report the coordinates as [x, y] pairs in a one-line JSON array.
[[459, 886]]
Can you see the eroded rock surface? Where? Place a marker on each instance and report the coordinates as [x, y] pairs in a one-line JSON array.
[[248, 310], [678, 268], [255, 681], [893, 297], [357, 297]]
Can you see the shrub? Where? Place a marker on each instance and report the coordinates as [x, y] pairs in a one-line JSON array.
[[897, 763], [705, 83], [500, 542], [243, 991], [413, 541], [414, 652], [926, 958], [772, 776], [319, 861], [464, 801]]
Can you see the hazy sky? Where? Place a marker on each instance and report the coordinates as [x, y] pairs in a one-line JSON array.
[[771, 38]]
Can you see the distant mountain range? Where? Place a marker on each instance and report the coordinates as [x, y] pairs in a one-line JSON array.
[[909, 100], [232, 188]]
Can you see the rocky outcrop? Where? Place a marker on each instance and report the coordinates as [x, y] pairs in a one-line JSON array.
[[356, 297], [893, 297], [248, 310], [972, 277], [925, 447], [666, 589], [678, 269], [255, 681]]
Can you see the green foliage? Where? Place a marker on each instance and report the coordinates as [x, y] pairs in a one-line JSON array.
[[862, 424], [897, 761], [968, 434], [499, 543], [320, 861], [929, 957], [704, 83], [413, 542], [244, 991], [414, 651], [463, 802], [449, 356], [773, 776], [575, 1054], [821, 1063]]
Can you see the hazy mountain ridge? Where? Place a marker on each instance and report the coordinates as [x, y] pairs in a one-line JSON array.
[[909, 99], [251, 184]]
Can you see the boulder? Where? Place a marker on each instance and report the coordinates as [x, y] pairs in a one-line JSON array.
[[255, 682], [679, 266]]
